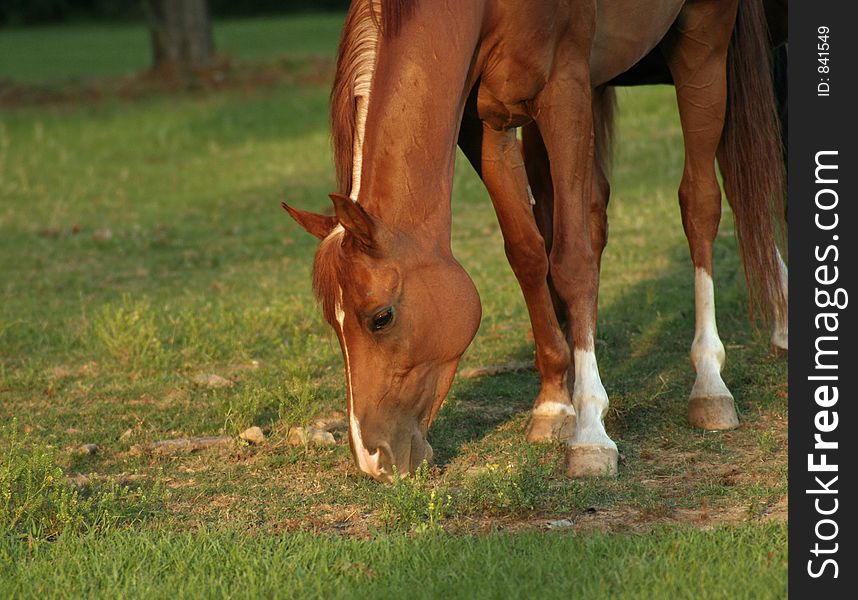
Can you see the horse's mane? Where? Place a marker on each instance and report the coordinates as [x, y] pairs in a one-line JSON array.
[[366, 22], [327, 273]]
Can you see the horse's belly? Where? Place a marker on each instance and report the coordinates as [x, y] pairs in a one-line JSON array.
[[626, 30]]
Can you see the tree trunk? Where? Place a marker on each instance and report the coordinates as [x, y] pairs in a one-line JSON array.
[[181, 32]]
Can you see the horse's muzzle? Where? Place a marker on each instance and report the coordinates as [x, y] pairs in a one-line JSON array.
[[403, 456]]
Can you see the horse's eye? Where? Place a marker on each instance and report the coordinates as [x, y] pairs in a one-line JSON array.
[[382, 319]]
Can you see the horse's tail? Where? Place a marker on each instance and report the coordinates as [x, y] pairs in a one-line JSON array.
[[604, 109], [750, 158]]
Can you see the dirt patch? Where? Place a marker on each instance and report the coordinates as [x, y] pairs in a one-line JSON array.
[[728, 478]]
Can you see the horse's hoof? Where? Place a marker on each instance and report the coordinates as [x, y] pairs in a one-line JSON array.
[[552, 427], [713, 413], [591, 460], [779, 351]]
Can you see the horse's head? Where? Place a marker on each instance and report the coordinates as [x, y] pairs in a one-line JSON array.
[[404, 313]]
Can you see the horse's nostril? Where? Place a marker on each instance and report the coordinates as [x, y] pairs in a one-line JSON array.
[[405, 456]]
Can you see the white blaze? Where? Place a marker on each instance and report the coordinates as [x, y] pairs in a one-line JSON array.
[[368, 40], [368, 463]]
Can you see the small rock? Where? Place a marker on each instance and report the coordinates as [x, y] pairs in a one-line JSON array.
[[335, 421], [254, 435], [320, 437], [559, 524], [310, 436], [211, 381], [298, 436], [86, 449]]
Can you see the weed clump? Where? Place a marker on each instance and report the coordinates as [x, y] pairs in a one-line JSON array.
[[38, 502], [414, 504], [510, 488]]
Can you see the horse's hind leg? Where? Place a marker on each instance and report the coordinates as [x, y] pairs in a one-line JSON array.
[[780, 325], [696, 51], [497, 158]]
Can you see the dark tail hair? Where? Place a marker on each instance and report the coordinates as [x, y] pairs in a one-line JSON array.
[[751, 160]]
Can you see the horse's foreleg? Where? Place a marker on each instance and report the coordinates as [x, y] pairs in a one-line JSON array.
[[542, 189], [539, 176], [497, 157], [696, 51], [565, 123]]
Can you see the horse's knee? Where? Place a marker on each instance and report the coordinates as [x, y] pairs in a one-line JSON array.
[[599, 211], [574, 270], [700, 204], [598, 228], [529, 260]]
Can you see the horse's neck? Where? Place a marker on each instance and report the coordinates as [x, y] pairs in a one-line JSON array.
[[418, 91]]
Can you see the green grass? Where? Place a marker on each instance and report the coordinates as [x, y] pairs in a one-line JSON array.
[[667, 563], [142, 244], [80, 52]]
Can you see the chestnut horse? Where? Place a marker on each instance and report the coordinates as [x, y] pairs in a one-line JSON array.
[[414, 78]]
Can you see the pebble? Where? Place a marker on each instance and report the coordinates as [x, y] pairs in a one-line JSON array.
[[254, 435], [559, 524], [319, 437], [298, 436], [310, 436], [87, 449], [211, 381], [335, 421]]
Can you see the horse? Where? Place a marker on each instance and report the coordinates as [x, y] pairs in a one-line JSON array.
[[415, 78]]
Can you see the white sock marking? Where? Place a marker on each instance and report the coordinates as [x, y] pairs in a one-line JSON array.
[[590, 399], [707, 350], [551, 408]]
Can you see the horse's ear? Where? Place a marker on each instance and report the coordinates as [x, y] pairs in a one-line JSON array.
[[315, 224], [355, 219]]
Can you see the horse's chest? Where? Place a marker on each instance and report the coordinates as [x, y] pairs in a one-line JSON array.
[[507, 90]]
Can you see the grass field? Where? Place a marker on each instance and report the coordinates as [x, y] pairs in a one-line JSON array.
[[142, 244]]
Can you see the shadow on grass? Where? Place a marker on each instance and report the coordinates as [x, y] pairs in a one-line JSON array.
[[643, 341]]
